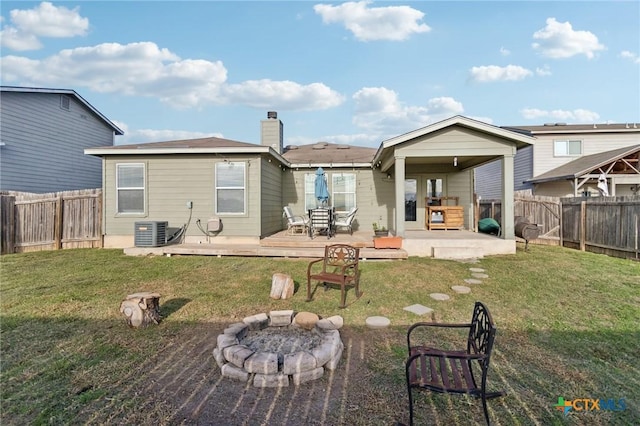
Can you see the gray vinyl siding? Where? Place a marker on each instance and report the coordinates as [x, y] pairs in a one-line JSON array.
[[270, 197], [488, 177], [489, 180], [172, 181], [523, 169], [44, 144]]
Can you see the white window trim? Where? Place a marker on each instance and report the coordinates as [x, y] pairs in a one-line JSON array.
[[567, 143], [244, 188], [313, 191], [144, 190], [355, 189]]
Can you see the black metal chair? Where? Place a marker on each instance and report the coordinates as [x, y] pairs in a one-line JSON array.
[[451, 371]]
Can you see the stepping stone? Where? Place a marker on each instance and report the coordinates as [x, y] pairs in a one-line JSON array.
[[439, 296], [418, 309], [472, 281], [476, 269], [478, 275], [462, 289], [377, 322]]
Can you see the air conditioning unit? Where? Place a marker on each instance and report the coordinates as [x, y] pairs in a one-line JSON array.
[[150, 234]]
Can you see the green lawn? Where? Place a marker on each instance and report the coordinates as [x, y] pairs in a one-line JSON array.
[[568, 326]]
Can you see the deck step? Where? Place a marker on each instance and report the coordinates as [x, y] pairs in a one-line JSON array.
[[456, 252], [258, 251]]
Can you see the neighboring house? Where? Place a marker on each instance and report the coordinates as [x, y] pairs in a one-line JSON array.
[[246, 185], [43, 135], [567, 160]]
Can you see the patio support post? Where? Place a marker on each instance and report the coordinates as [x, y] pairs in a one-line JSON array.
[[399, 225], [507, 219]]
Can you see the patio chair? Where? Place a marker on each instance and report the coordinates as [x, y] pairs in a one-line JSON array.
[[451, 371], [339, 266], [321, 222], [295, 224], [346, 221]]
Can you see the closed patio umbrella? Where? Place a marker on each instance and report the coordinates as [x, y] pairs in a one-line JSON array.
[[321, 190]]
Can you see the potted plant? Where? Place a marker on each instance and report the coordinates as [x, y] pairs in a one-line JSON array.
[[379, 231]]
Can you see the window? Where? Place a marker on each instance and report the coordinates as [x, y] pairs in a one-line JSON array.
[[230, 188], [344, 191], [567, 148], [310, 201], [130, 188]]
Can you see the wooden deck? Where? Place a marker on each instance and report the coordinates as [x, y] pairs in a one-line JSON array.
[[280, 244], [439, 244]]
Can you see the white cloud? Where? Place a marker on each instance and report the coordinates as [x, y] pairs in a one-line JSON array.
[[394, 23], [144, 69], [544, 71], [630, 55], [282, 95], [577, 115], [379, 111], [44, 20], [490, 73], [504, 51], [559, 40]]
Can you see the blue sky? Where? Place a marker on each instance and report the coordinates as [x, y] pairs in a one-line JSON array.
[[342, 72]]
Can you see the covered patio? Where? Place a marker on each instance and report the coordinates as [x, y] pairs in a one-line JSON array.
[[438, 161]]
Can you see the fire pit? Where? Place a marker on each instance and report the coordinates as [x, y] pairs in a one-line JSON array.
[[280, 348]]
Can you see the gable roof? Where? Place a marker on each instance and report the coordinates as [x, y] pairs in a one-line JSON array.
[[586, 164], [67, 92], [324, 154], [519, 139]]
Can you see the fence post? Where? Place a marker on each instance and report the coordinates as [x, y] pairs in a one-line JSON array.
[[583, 225], [8, 227], [560, 223], [57, 230]]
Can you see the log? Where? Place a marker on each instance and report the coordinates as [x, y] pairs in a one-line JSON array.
[[141, 309]]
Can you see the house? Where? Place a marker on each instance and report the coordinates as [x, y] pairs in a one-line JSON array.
[[44, 134], [567, 161], [244, 186]]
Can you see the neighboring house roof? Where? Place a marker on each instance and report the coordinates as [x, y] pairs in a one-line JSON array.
[[67, 92], [324, 154], [561, 128], [589, 163]]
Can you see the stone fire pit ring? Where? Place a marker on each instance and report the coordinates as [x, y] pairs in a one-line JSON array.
[[279, 348]]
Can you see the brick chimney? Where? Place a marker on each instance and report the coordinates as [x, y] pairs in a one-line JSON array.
[[271, 133]]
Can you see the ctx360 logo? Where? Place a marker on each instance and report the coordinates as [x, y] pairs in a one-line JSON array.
[[589, 404]]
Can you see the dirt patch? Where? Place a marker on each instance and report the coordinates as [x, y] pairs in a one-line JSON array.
[[190, 383]]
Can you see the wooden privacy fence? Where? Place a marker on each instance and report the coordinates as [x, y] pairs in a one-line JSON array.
[[53, 221], [608, 225]]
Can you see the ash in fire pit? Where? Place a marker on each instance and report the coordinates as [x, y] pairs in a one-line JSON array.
[[272, 350], [282, 340]]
